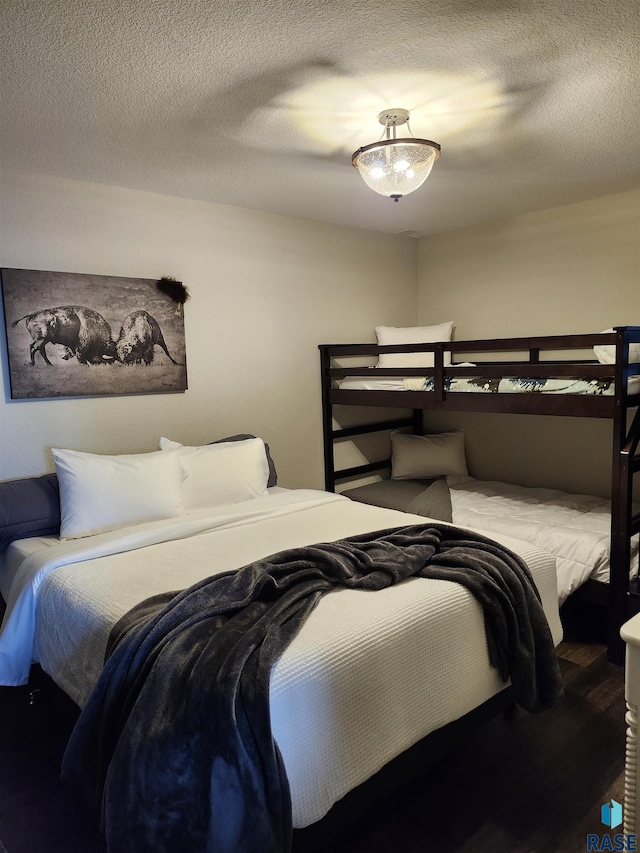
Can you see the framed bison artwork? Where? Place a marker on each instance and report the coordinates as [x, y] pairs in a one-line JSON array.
[[70, 335]]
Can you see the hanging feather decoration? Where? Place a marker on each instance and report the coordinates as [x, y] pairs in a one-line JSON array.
[[175, 290]]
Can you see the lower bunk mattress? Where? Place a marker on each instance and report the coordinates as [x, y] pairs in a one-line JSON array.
[[368, 675], [574, 529]]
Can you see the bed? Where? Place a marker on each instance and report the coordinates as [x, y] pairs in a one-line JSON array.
[[367, 677], [420, 368]]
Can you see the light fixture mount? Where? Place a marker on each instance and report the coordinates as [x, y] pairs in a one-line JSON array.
[[395, 167], [394, 116]]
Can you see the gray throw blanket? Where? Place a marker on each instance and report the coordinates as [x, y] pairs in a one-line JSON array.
[[174, 747]]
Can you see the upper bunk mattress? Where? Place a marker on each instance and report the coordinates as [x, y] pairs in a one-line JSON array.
[[491, 385]]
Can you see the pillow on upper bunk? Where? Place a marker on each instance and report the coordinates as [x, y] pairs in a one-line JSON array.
[[29, 507], [606, 354], [416, 457], [221, 473], [388, 335], [101, 493]]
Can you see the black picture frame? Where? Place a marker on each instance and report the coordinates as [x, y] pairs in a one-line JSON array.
[[77, 334]]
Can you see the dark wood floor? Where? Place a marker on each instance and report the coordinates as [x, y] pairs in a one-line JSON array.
[[529, 784]]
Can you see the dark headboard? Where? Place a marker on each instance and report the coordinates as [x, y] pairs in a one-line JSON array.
[[29, 507]]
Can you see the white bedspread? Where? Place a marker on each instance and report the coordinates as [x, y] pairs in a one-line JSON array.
[[369, 674], [575, 528]]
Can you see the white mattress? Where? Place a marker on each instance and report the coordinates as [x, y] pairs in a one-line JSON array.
[[369, 674], [576, 529]]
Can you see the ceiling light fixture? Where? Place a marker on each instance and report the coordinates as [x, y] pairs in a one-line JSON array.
[[395, 167]]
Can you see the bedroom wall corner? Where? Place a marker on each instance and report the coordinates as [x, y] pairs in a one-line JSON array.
[[266, 290]]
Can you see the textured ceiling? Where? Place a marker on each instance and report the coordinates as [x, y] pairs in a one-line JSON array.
[[260, 104]]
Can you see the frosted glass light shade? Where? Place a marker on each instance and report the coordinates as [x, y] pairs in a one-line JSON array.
[[396, 167]]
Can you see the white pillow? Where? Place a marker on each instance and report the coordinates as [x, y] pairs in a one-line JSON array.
[[606, 354], [224, 473], [415, 457], [100, 493], [388, 335]]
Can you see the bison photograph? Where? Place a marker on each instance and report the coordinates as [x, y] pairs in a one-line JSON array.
[[82, 331], [101, 335], [139, 334]]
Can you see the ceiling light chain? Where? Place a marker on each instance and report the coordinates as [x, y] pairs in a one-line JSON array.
[[395, 167]]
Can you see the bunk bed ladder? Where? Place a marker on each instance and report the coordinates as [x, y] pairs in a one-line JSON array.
[[624, 595], [330, 435]]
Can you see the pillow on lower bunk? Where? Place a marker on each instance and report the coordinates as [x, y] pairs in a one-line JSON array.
[[221, 473], [430, 498], [29, 507], [415, 457], [101, 493]]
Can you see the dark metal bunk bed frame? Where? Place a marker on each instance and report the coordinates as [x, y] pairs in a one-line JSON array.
[[620, 595]]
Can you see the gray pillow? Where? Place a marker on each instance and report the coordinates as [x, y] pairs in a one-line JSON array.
[[430, 498], [418, 456]]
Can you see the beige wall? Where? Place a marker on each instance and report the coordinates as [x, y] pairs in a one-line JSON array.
[[266, 290], [571, 269]]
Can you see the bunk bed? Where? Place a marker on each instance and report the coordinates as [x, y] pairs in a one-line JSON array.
[[503, 370]]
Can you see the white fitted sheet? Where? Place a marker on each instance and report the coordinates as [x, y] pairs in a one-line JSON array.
[[369, 674], [576, 529]]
